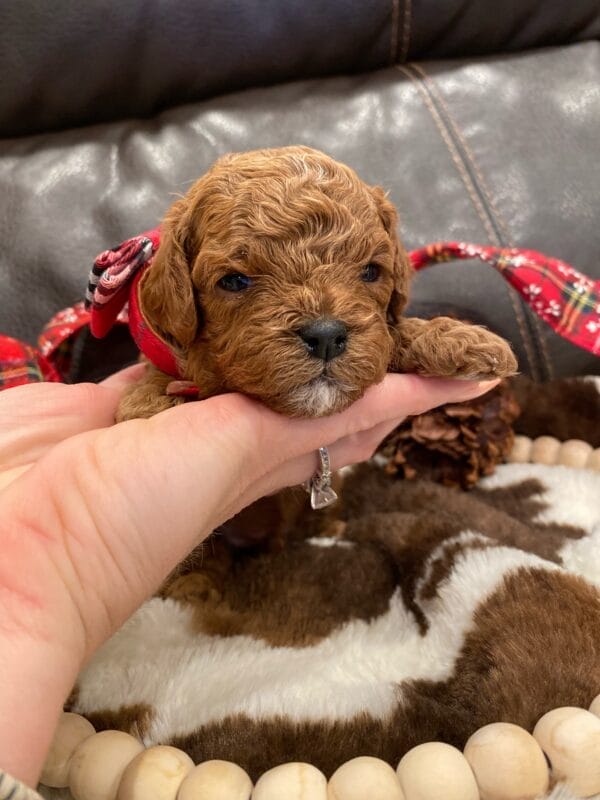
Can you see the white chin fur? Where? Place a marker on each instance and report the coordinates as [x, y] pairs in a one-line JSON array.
[[318, 398]]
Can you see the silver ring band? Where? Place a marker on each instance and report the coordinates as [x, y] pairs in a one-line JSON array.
[[319, 487], [325, 464]]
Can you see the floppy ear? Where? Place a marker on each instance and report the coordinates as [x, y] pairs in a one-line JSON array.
[[167, 298], [402, 270]]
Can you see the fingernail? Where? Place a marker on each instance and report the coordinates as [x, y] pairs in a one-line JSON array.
[[485, 386]]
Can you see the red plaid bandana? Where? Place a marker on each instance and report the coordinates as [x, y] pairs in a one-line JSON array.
[[109, 282], [21, 363], [113, 283], [563, 297]]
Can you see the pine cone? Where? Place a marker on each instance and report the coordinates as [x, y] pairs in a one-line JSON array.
[[455, 444]]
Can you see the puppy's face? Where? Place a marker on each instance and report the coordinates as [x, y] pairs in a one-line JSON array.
[[278, 275]]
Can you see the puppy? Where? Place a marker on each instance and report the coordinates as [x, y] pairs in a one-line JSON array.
[[281, 275]]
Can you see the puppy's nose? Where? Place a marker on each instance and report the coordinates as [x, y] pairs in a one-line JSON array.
[[324, 338]]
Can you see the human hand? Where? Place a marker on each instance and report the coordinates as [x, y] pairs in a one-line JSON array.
[[93, 516]]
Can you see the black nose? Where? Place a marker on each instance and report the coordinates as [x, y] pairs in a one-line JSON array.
[[324, 338]]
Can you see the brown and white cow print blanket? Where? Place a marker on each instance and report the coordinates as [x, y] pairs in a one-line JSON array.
[[412, 613]]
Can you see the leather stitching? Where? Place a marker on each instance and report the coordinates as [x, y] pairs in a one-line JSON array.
[[454, 154], [406, 30], [468, 181], [394, 31], [493, 210], [459, 135]]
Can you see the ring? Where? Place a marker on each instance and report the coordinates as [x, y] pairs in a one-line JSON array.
[[319, 486]]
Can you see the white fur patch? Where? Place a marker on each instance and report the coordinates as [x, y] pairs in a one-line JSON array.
[[560, 792], [595, 379], [193, 679], [464, 539], [319, 397], [572, 497], [329, 541]]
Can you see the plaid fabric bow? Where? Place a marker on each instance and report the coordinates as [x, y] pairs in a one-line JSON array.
[[111, 276], [564, 298]]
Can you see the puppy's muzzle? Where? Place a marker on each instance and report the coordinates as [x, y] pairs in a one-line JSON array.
[[324, 338]]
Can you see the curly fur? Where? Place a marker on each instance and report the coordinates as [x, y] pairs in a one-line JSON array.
[[303, 227]]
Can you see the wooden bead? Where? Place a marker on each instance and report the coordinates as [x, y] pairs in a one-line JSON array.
[[72, 729], [544, 450], [158, 773], [593, 461], [216, 780], [521, 450], [570, 737], [97, 765], [507, 762], [364, 777], [595, 706], [574, 453], [435, 770], [294, 781]]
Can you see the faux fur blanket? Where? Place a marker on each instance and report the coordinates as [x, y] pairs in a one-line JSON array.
[[412, 613]]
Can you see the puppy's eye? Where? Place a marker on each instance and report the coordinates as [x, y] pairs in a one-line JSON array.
[[234, 282], [370, 273]]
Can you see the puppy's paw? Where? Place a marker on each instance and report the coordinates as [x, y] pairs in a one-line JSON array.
[[478, 354], [446, 348], [142, 401], [194, 587]]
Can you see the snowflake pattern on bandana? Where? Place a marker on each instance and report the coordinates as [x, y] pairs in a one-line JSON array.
[[564, 298]]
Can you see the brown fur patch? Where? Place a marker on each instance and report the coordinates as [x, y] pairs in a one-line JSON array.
[[420, 517], [134, 719], [255, 594], [534, 646], [295, 597], [567, 409], [505, 514]]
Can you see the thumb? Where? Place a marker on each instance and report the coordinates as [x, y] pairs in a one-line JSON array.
[[115, 510]]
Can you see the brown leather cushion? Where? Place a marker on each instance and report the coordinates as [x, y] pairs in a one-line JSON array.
[[71, 63]]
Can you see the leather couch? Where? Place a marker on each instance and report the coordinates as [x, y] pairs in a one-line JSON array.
[[481, 118]]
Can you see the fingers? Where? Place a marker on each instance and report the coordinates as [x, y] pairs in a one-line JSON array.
[[35, 417], [396, 397], [351, 436], [9, 475], [353, 449]]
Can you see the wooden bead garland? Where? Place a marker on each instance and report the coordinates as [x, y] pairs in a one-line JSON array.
[[434, 770], [71, 731], [216, 780], [548, 450], [98, 764], [364, 777], [501, 762], [157, 772], [524, 769], [294, 781], [570, 737], [595, 706]]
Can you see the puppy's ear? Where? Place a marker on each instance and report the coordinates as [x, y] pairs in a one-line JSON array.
[[402, 269], [167, 297]]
